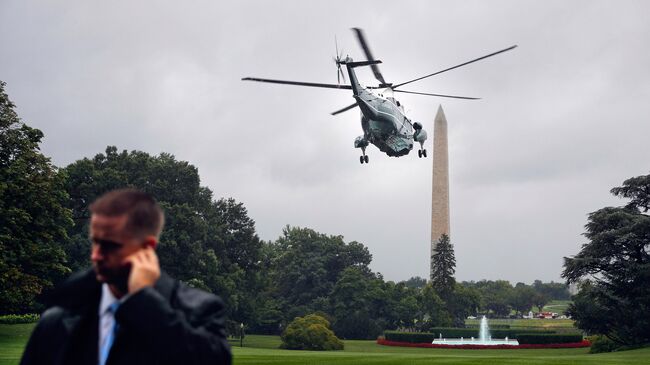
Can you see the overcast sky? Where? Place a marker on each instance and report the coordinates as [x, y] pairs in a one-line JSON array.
[[563, 118]]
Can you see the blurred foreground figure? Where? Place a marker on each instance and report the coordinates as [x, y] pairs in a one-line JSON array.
[[124, 310]]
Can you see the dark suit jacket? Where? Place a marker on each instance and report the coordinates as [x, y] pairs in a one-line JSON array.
[[170, 323]]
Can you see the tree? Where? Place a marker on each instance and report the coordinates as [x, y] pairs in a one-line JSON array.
[[495, 296], [616, 264], [443, 267], [206, 243], [522, 298], [463, 302], [305, 266], [358, 303], [33, 218], [433, 310], [552, 290], [415, 282], [540, 300]]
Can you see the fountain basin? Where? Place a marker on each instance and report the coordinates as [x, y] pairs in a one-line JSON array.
[[478, 342]]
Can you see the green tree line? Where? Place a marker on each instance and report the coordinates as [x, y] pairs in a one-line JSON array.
[[211, 243]]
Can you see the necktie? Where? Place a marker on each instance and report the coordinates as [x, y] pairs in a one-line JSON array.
[[108, 341]]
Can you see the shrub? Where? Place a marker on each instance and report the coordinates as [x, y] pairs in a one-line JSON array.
[[546, 338], [311, 332], [19, 318], [602, 344]]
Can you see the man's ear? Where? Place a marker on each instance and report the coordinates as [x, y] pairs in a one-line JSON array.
[[151, 241]]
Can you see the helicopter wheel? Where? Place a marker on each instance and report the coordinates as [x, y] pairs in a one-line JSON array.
[[366, 159], [420, 153], [424, 153]]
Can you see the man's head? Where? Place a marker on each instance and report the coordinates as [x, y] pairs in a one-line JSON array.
[[122, 222]]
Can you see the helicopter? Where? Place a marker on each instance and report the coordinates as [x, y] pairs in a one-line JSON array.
[[383, 119]]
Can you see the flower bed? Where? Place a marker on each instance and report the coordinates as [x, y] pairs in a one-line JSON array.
[[584, 343]]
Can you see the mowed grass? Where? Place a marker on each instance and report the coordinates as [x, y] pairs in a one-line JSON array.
[[13, 338], [264, 350], [557, 306]]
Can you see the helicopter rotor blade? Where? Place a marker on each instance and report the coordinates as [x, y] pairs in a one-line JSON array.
[[339, 61], [345, 109], [298, 83], [457, 66], [439, 95], [366, 50]]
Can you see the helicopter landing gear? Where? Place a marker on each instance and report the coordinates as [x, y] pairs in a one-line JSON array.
[[362, 142], [422, 152], [363, 158]]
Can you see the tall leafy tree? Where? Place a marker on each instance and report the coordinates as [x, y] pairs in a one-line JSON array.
[[33, 217], [616, 263], [415, 282], [206, 243], [433, 310], [463, 302], [354, 304], [522, 298], [443, 262], [495, 296], [304, 267]]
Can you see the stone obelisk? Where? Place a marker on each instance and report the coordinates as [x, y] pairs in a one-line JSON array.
[[440, 189]]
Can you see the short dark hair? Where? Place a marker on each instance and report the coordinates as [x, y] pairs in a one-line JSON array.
[[144, 215]]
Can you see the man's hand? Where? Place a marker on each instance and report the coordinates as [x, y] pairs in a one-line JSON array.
[[145, 269]]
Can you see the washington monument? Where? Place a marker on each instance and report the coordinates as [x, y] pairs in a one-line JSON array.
[[440, 188]]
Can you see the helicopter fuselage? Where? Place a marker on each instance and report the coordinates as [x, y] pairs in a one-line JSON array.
[[383, 120]]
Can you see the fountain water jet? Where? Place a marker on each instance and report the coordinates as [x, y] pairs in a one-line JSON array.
[[484, 338]]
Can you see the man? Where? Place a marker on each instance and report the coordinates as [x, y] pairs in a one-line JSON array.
[[124, 310]]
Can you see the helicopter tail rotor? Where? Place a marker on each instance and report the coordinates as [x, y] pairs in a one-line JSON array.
[[338, 60]]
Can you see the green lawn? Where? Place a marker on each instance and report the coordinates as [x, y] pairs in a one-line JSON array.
[[263, 350], [13, 338], [557, 306]]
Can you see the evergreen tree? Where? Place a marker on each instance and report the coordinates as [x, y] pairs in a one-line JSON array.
[[614, 268], [443, 262]]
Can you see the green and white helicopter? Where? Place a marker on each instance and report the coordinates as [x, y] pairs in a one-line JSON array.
[[383, 120]]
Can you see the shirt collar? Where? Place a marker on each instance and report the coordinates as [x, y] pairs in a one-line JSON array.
[[107, 299]]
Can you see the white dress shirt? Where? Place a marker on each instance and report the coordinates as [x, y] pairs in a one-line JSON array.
[[106, 317]]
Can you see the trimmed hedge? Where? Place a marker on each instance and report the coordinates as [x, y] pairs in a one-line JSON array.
[[19, 318], [543, 339], [449, 332], [411, 337], [492, 326], [518, 332]]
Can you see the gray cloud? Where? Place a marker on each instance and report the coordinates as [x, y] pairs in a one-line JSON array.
[[562, 120]]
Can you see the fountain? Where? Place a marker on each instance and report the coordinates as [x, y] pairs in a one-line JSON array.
[[484, 338]]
